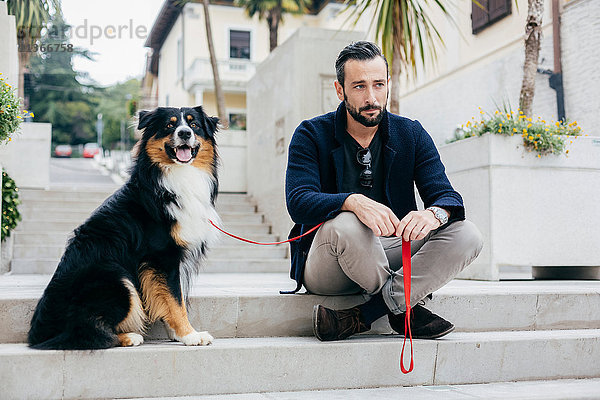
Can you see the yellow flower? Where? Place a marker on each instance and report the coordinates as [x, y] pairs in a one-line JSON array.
[[514, 129], [499, 124], [529, 119], [18, 116], [496, 112], [530, 138], [539, 156], [524, 130], [546, 129], [557, 123], [567, 151], [499, 130], [529, 125], [520, 112], [32, 115]]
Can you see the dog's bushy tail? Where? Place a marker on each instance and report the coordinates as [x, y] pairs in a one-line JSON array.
[[78, 335]]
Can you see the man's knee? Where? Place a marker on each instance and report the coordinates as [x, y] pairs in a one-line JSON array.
[[346, 224], [469, 238]]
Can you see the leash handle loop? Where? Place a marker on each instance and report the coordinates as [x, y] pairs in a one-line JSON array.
[[406, 268]]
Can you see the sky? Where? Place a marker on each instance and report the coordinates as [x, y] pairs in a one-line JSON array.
[[116, 31]]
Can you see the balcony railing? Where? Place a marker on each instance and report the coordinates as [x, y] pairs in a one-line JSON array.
[[233, 73]]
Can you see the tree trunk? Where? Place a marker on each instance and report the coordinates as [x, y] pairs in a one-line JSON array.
[[396, 64], [24, 57], [213, 62], [273, 19], [533, 35]]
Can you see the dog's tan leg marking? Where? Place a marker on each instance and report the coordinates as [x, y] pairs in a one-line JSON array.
[[175, 234], [135, 321], [160, 304], [130, 339]]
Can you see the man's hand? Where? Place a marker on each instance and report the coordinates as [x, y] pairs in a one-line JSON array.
[[379, 218], [416, 225]]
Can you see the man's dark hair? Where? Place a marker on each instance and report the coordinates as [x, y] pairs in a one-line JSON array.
[[361, 50]]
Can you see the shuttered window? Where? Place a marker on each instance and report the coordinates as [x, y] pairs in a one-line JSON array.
[[492, 11], [239, 44]]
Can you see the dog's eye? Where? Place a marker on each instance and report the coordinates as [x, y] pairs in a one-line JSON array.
[[193, 125], [170, 126]]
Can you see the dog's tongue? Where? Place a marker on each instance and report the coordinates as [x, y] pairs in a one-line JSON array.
[[183, 154]]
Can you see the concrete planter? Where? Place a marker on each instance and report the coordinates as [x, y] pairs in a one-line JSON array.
[[533, 212], [27, 156]]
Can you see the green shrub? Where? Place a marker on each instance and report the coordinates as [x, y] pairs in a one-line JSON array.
[[539, 136], [10, 201]]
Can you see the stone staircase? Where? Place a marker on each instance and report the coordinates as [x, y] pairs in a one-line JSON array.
[[543, 334], [49, 217]]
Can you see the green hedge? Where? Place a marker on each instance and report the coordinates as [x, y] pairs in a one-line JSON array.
[[10, 201]]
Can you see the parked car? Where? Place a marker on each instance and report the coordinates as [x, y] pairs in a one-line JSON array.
[[63, 150], [90, 150]]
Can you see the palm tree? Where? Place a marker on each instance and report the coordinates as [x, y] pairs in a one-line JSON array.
[[273, 11], [31, 17], [533, 34], [405, 32]]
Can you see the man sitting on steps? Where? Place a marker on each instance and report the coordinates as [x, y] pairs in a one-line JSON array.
[[356, 168]]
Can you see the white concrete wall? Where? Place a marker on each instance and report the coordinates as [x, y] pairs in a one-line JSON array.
[[286, 90], [9, 61], [27, 157], [482, 70], [580, 30]]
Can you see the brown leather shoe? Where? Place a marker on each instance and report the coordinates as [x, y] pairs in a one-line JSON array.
[[424, 324], [337, 325]]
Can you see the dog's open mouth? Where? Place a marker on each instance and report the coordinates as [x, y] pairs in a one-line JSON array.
[[183, 154]]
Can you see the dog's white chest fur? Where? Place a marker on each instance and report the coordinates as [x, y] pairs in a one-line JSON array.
[[193, 209]]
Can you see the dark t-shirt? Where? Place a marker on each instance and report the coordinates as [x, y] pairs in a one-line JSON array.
[[352, 169]]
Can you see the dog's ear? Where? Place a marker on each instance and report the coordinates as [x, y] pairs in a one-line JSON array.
[[144, 117], [210, 123]]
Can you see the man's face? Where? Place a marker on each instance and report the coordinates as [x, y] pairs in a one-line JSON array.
[[365, 90]]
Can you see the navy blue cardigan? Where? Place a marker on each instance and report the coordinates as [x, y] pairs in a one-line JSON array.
[[316, 164]]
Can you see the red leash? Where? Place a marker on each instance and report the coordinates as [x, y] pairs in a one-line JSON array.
[[406, 268], [265, 244], [407, 274]]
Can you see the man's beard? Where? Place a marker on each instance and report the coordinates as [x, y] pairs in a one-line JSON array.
[[361, 119]]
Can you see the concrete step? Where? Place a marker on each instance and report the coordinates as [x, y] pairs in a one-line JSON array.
[[27, 195], [89, 194], [66, 226], [249, 305], [88, 206], [559, 389], [218, 252], [243, 365], [35, 214], [45, 238], [213, 265]]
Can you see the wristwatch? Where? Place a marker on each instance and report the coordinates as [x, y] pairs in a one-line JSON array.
[[439, 214]]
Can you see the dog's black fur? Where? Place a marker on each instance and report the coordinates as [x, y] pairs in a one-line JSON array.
[[135, 231]]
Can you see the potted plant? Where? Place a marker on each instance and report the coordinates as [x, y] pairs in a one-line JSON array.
[[531, 187]]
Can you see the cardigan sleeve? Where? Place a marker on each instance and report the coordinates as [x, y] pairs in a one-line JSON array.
[[306, 203], [431, 180]]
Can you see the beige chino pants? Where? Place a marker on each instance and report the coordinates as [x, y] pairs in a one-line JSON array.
[[347, 258]]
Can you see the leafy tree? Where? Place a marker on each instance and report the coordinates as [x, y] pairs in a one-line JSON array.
[[31, 17], [273, 11], [55, 93]]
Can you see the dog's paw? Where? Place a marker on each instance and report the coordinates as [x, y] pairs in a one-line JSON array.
[[197, 339], [130, 339]]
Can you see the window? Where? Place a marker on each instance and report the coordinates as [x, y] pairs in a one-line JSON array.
[[493, 10], [239, 44], [237, 121]]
